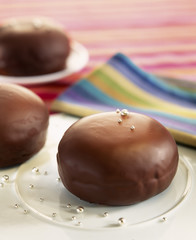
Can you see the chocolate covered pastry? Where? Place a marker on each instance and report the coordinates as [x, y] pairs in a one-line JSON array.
[[117, 158], [30, 47], [23, 124]]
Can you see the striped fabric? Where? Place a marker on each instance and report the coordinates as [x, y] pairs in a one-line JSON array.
[[121, 84]]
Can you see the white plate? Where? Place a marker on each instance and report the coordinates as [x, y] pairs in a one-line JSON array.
[[77, 59], [44, 203], [44, 196]]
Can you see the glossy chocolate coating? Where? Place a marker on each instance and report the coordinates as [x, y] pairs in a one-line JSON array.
[[103, 161], [23, 124], [29, 49]]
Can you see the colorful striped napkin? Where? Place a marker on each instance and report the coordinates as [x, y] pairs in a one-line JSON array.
[[121, 84]]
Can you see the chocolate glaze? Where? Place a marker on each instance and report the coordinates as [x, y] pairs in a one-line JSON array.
[[103, 161], [27, 49], [23, 124]]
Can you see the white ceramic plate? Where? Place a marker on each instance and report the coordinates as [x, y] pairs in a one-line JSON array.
[[36, 204], [77, 59], [44, 195]]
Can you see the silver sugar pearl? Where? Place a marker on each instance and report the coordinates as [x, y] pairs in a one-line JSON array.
[[31, 186], [117, 110], [79, 223], [119, 120], [80, 209], [54, 215], [68, 205], [41, 199], [25, 211], [124, 112], [132, 127], [58, 179], [121, 221], [5, 178], [73, 218], [105, 214], [16, 205], [164, 219], [35, 170]]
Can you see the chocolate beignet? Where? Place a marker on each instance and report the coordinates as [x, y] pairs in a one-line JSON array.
[[23, 124], [117, 158], [30, 47]]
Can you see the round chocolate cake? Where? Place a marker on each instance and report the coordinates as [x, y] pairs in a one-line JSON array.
[[117, 158], [30, 47], [23, 124]]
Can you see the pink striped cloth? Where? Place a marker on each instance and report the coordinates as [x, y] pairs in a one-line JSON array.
[[159, 36]]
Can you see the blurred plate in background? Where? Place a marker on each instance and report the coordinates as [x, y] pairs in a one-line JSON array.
[[77, 59]]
